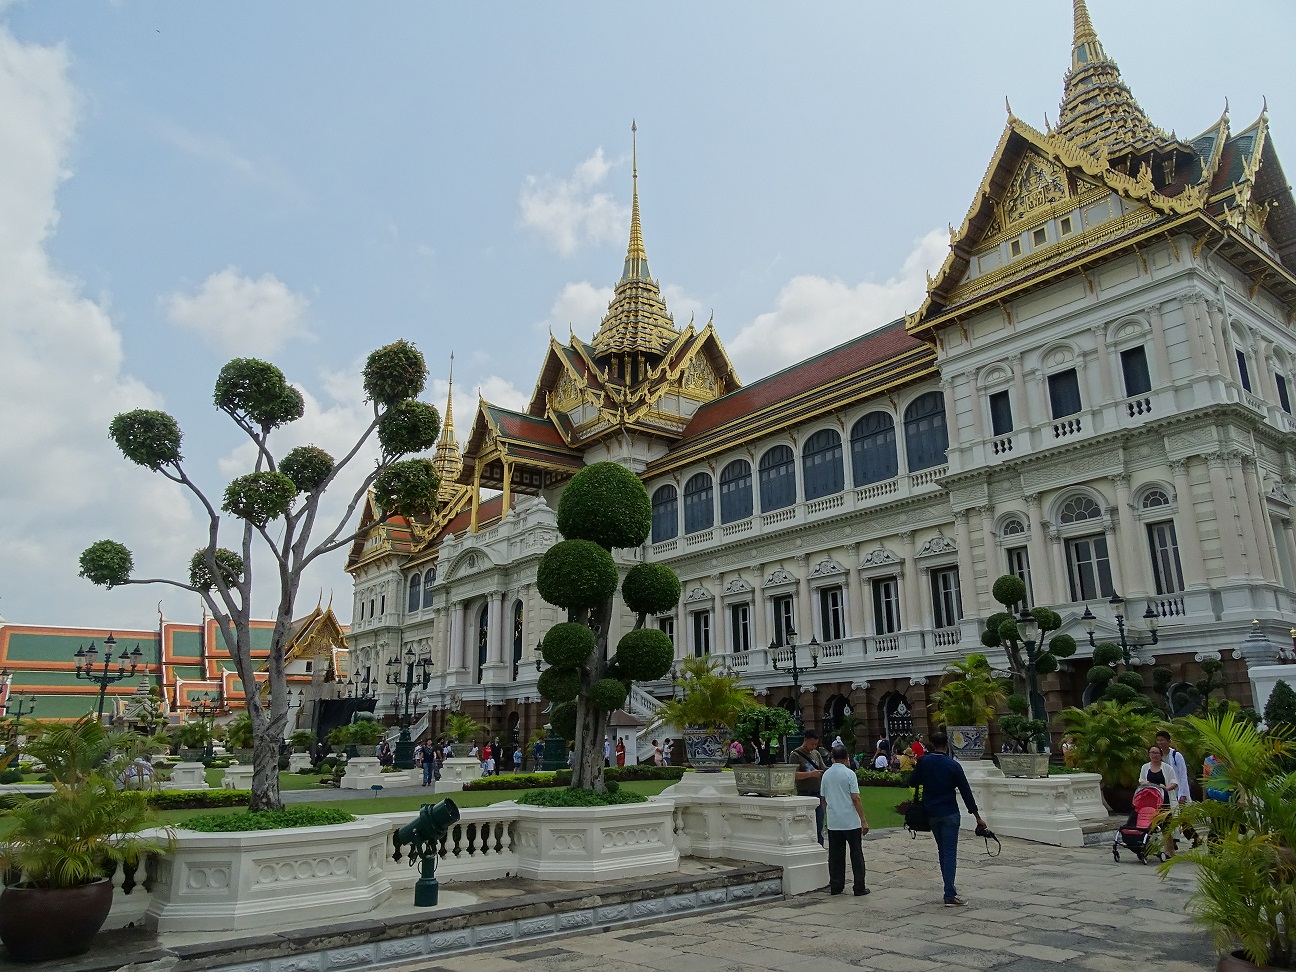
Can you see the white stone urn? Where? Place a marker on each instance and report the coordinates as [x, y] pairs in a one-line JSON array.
[[765, 779], [188, 776], [1022, 766]]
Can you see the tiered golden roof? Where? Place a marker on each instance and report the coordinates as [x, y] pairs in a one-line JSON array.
[[447, 461]]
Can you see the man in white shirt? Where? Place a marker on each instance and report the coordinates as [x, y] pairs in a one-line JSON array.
[[1180, 767], [845, 821]]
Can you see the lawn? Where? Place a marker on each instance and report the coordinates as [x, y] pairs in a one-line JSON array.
[[287, 781], [880, 803]]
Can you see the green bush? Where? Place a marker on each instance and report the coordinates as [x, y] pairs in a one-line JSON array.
[[607, 504], [872, 777], [645, 654], [567, 644], [650, 589], [515, 781], [307, 771], [641, 771], [197, 799], [298, 816], [11, 776], [569, 797], [559, 684], [576, 574]]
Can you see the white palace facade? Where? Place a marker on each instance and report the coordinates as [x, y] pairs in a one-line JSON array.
[[1095, 395]]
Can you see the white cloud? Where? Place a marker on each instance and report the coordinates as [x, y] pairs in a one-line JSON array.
[[813, 313], [685, 308], [240, 315], [63, 485], [569, 212], [580, 307]]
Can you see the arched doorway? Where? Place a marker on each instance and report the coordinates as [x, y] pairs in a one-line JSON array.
[[896, 716], [514, 738], [836, 709]]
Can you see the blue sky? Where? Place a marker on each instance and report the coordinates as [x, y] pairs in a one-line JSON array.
[[305, 181]]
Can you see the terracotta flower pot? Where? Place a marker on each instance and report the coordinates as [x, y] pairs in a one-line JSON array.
[[37, 924]]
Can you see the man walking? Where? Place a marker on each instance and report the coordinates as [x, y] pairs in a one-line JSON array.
[[810, 771], [1182, 794], [940, 776], [846, 822]]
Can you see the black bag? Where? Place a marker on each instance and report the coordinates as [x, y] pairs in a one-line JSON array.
[[916, 818]]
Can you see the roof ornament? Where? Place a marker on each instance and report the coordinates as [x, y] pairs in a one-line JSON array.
[[636, 262], [1008, 107]]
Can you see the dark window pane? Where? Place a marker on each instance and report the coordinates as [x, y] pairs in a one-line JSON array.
[[1064, 393], [777, 479], [429, 578], [926, 438], [665, 514], [699, 511], [1000, 413], [821, 462], [873, 449], [735, 491], [1283, 398], [415, 592], [1135, 368], [1243, 373]]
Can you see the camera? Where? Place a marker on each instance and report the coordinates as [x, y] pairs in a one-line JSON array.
[[983, 831]]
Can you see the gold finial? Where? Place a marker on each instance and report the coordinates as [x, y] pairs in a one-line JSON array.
[[1007, 106], [636, 262], [1085, 47], [447, 430]]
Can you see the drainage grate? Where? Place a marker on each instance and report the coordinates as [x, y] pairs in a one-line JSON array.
[[644, 935], [538, 953]]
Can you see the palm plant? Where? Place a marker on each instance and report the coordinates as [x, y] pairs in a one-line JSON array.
[[712, 699], [461, 727], [73, 752], [1111, 739], [1246, 872], [971, 696], [238, 734]]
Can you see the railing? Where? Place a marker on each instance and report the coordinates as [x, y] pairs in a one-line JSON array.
[[1171, 606], [1257, 403], [947, 637], [781, 656], [480, 846], [826, 503], [1066, 427], [1002, 446], [1141, 405], [640, 703], [702, 536], [832, 650], [884, 644], [740, 660], [1288, 422], [928, 477], [416, 730], [733, 529], [131, 886], [876, 490], [778, 516], [665, 547]]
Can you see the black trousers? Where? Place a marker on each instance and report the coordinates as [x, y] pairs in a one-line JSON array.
[[838, 841]]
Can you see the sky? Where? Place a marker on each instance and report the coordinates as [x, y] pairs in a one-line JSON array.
[[305, 181]]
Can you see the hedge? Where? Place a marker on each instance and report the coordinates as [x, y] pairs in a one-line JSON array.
[[299, 816], [562, 777], [872, 777], [516, 781], [568, 797], [198, 799]]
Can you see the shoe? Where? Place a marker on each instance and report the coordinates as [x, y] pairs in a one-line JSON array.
[[831, 891], [862, 891], [954, 902]]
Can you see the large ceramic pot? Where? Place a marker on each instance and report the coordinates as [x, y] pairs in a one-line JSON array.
[[1024, 765], [1238, 962], [460, 750], [37, 924], [967, 742], [765, 779], [708, 750]]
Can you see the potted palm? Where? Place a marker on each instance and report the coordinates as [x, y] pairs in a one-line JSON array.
[[711, 703], [1024, 734], [1111, 739], [461, 727], [60, 849], [239, 739], [763, 728], [966, 703], [1246, 872]]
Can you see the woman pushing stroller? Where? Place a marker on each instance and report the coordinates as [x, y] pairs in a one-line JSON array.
[[1156, 787]]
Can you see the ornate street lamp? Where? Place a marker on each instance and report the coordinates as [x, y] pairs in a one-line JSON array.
[[797, 671], [207, 708], [1128, 645], [411, 681], [88, 658]]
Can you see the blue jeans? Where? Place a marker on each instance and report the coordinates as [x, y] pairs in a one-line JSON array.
[[946, 832], [429, 766]]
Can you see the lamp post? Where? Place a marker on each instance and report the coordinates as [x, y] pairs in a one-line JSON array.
[[88, 658], [411, 681], [1128, 647], [796, 670], [1028, 629], [207, 708], [25, 705]]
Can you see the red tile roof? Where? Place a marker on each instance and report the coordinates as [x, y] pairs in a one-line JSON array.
[[528, 428], [836, 363], [486, 513]]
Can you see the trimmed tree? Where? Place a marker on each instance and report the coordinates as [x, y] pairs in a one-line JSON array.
[[278, 501], [604, 507]]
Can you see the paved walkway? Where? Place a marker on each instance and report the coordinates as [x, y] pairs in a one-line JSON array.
[[1031, 909]]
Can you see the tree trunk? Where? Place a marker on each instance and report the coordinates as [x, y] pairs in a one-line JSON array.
[[591, 722], [265, 766]]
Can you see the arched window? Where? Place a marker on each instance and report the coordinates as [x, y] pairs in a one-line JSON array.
[[735, 491], [665, 514], [822, 472], [414, 590], [517, 638], [483, 642], [777, 479], [926, 438], [1155, 498], [699, 509], [429, 578], [873, 449], [1078, 509], [1013, 527]]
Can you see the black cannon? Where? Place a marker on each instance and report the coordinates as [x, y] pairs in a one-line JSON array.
[[424, 833]]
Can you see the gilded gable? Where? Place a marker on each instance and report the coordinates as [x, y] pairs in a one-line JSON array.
[[1038, 183]]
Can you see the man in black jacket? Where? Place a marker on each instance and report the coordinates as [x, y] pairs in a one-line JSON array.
[[940, 777], [810, 768]]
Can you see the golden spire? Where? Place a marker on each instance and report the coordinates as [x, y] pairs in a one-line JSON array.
[[1085, 47], [447, 462], [636, 261]]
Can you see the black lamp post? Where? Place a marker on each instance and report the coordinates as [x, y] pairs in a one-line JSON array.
[[1028, 630], [207, 708], [25, 706], [796, 670], [88, 658], [411, 681], [1128, 647]]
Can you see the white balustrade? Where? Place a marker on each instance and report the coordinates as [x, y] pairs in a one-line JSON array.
[[832, 651], [884, 644], [876, 490], [928, 477], [733, 529], [703, 536], [833, 502], [778, 516], [947, 637]]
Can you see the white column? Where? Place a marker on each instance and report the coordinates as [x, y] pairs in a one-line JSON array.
[[1045, 584], [1193, 565], [990, 557], [457, 636], [909, 599], [759, 608], [1134, 564], [1104, 364], [967, 575], [1160, 352], [1255, 501], [951, 413], [719, 628], [805, 622], [1023, 416], [1232, 539], [856, 594], [682, 632]]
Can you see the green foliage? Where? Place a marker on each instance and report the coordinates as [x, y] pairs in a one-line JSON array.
[[645, 654], [1022, 730], [260, 497], [1101, 674], [563, 720], [1133, 679], [608, 694], [11, 776], [514, 781], [308, 467], [970, 695], [366, 732], [650, 589], [576, 574], [301, 739], [990, 637], [1106, 654], [74, 752], [571, 797], [559, 684], [1045, 663], [710, 699], [107, 563], [147, 438], [1111, 739], [872, 777], [196, 799], [394, 373], [238, 733], [255, 391], [408, 426], [1062, 646], [1008, 631], [643, 771], [1048, 620], [1018, 704], [195, 734], [228, 563], [1009, 589], [408, 488], [461, 727], [1122, 693], [567, 645], [294, 816], [1280, 709], [607, 504]]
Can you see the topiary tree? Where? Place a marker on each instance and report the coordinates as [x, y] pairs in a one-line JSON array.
[[278, 501], [1280, 709], [604, 507], [765, 727]]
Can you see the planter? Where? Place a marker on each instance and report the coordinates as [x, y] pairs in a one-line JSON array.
[[708, 750], [244, 756], [967, 742], [1024, 765], [596, 844], [50, 923], [765, 779], [460, 750], [1238, 962]]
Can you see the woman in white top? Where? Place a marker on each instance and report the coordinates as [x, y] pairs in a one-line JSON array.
[[880, 761], [1156, 773]]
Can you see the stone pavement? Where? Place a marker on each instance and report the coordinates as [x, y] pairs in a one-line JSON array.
[[1033, 908]]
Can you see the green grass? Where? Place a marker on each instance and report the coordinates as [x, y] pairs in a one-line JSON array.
[[880, 803], [287, 781]]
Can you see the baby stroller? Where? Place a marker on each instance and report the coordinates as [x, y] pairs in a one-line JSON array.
[[1137, 832]]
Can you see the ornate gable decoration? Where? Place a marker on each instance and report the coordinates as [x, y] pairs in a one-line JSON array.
[[699, 379], [1037, 183], [737, 586], [939, 544], [779, 576], [697, 594], [568, 394], [878, 558], [826, 567]]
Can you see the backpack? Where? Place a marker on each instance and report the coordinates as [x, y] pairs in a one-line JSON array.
[[916, 818]]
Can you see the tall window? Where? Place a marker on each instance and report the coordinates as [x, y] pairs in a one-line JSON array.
[[1064, 393], [701, 633], [699, 510], [832, 615], [1166, 569], [886, 605], [873, 449], [947, 606], [740, 627], [1284, 399], [777, 479], [667, 625], [1243, 373], [429, 579], [1134, 367], [415, 592], [1089, 567], [784, 615], [383, 608], [665, 514], [1019, 566], [517, 638], [926, 438], [1000, 413], [483, 642], [822, 471], [735, 491]]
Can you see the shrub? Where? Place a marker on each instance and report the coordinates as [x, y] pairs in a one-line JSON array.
[[641, 771], [607, 504], [645, 654], [569, 797], [576, 574], [11, 776], [298, 816], [307, 771], [567, 645], [197, 799], [650, 589], [516, 781], [872, 777]]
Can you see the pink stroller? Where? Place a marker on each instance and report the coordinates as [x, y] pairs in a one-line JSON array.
[[1137, 832]]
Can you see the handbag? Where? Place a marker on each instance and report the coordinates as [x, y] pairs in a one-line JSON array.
[[916, 818]]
